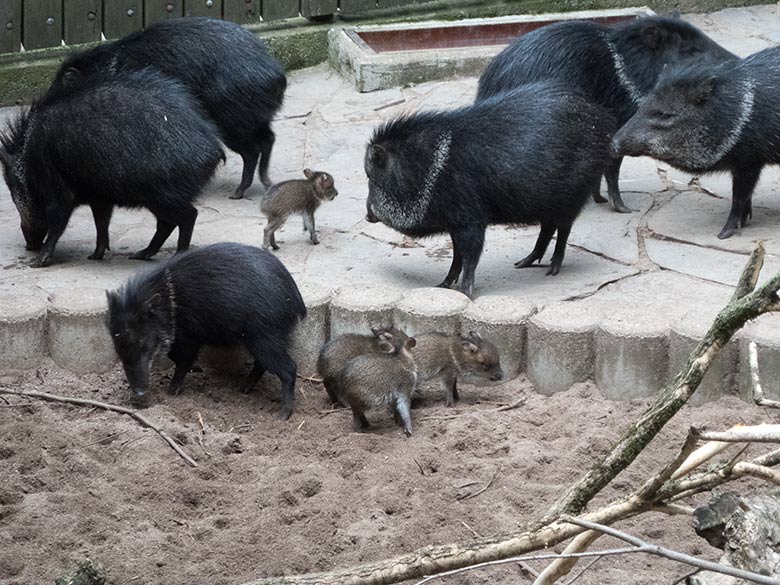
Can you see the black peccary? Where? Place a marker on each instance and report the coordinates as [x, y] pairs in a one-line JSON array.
[[381, 379], [135, 141], [336, 354], [710, 119], [450, 357], [223, 295], [228, 68], [614, 66], [302, 196], [532, 155]]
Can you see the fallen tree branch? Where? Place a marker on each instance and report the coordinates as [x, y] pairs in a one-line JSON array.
[[563, 566], [653, 549], [105, 406], [755, 378], [755, 434], [747, 468]]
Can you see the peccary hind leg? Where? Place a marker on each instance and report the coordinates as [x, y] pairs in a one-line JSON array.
[[545, 235], [612, 175], [250, 159], [102, 216]]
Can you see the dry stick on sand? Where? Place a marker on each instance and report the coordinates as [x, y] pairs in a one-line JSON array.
[[104, 406], [666, 553], [746, 304]]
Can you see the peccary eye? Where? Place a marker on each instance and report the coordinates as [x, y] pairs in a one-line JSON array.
[[663, 116]]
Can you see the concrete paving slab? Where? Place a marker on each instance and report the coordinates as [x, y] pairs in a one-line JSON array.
[[661, 267]]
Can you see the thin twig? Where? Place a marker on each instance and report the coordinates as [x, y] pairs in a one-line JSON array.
[[561, 567], [512, 406], [673, 555], [483, 490], [584, 570], [651, 487], [105, 406], [755, 377], [202, 435], [481, 411], [300, 426], [470, 529], [125, 445], [544, 557], [422, 471], [331, 411], [112, 436], [310, 379]]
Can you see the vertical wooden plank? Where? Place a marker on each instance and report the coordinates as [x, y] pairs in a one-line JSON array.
[[357, 6], [157, 10], [241, 11], [10, 25], [276, 9], [42, 24], [211, 8], [311, 8], [83, 21], [121, 17]]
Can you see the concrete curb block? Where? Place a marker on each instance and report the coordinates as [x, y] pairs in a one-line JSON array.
[[721, 379], [78, 339], [501, 320], [766, 333], [314, 330], [423, 310], [22, 328], [359, 308], [632, 357], [560, 346]]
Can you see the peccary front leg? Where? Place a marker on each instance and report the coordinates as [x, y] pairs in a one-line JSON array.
[[253, 377], [278, 362], [308, 224], [612, 174], [359, 421], [184, 357], [455, 268], [57, 221], [101, 213], [449, 382], [545, 235], [743, 183], [597, 196], [250, 159], [469, 242]]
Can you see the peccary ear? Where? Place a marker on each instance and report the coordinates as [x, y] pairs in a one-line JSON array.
[[469, 347], [654, 36], [377, 156], [475, 336], [70, 76], [674, 14], [702, 92], [411, 342], [308, 173]]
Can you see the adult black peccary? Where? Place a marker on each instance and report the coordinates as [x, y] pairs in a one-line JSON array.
[[228, 68], [614, 66], [135, 141], [710, 119], [223, 295], [532, 155]]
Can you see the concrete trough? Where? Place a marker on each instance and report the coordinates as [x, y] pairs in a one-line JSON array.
[[383, 56]]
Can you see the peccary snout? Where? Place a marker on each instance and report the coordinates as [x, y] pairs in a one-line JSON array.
[[496, 376], [628, 141]]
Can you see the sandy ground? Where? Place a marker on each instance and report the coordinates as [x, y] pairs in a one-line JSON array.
[[275, 497]]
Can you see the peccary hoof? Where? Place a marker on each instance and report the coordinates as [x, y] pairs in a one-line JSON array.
[[41, 261], [285, 413], [97, 255], [599, 198], [621, 207], [141, 255], [553, 270], [237, 195], [139, 400]]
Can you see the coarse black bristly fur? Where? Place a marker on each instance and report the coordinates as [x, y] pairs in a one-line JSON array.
[[228, 69], [712, 118], [135, 141], [222, 295], [614, 66], [532, 155]]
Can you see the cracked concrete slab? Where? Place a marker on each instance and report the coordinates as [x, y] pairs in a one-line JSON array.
[[635, 291]]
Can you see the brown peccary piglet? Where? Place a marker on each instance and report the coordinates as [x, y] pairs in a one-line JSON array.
[[302, 196], [371, 380], [449, 357], [336, 354]]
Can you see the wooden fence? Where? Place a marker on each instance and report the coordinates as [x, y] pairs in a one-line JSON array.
[[35, 24]]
